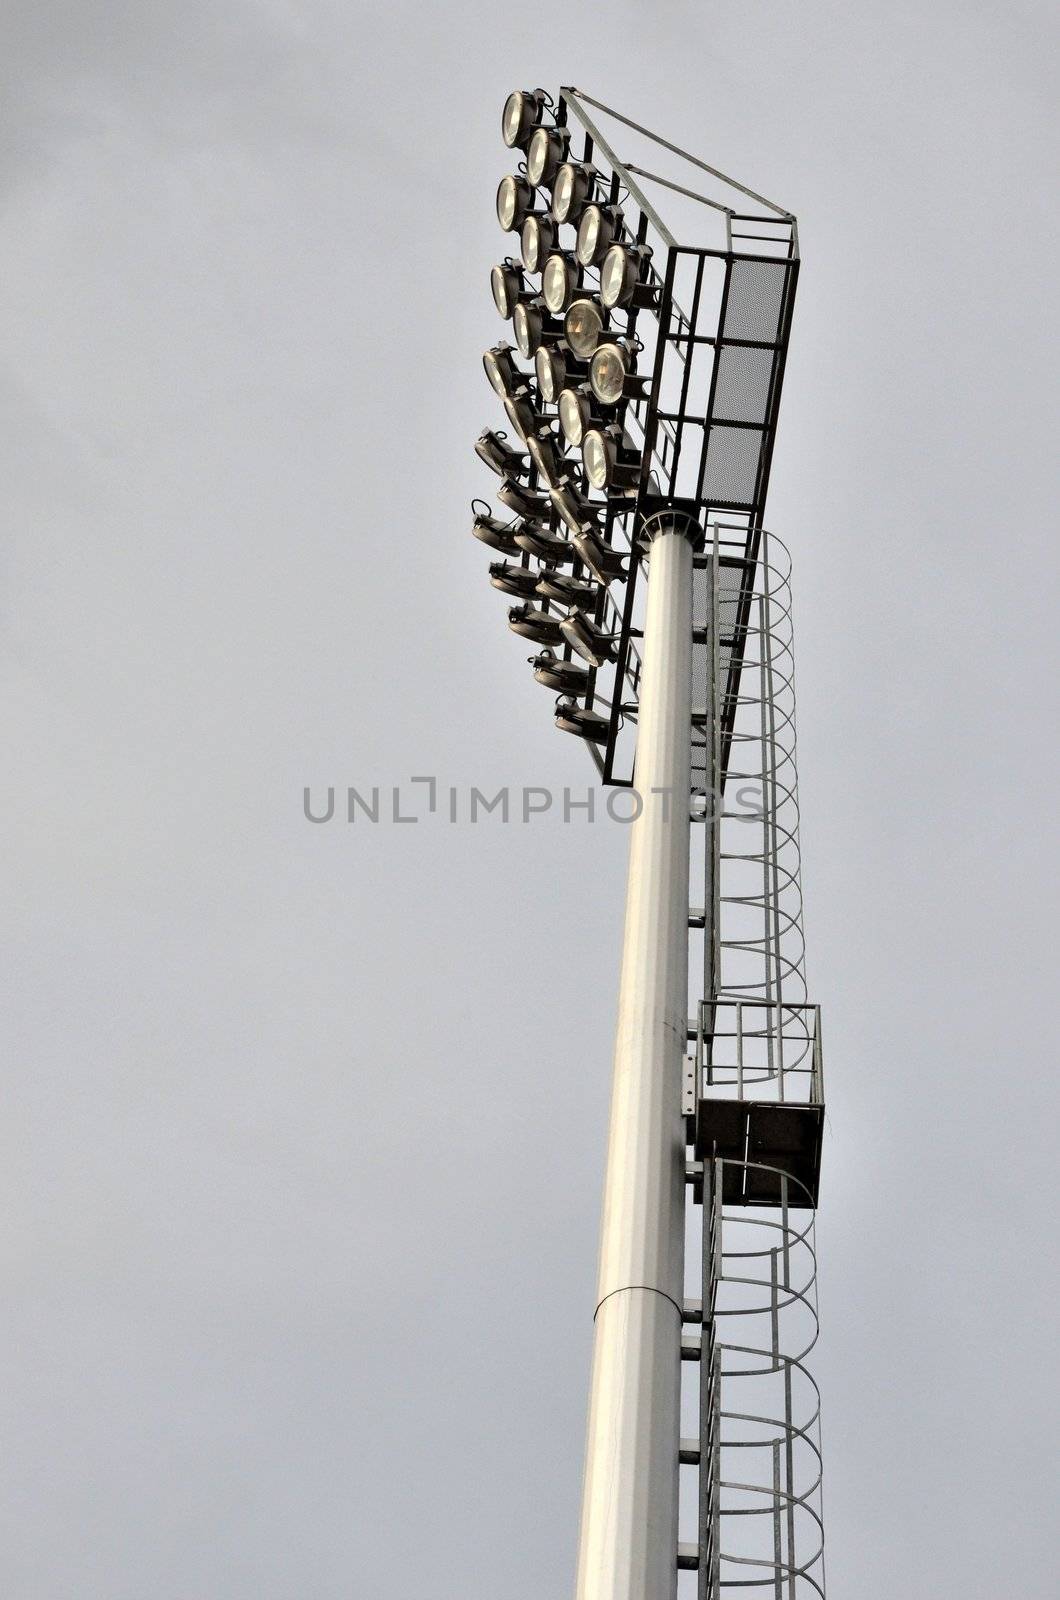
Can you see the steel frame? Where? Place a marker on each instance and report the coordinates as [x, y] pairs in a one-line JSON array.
[[679, 339]]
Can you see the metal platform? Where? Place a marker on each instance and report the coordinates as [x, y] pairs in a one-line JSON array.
[[759, 1143]]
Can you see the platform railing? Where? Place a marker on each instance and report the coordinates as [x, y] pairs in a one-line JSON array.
[[760, 1049]]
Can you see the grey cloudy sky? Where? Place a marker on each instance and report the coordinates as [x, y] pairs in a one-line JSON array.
[[303, 1127]]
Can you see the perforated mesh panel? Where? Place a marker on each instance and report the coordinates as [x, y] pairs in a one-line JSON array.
[[756, 293], [700, 597], [742, 392], [700, 677], [732, 464], [699, 753], [730, 579], [700, 750]]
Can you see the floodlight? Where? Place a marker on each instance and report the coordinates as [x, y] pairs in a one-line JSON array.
[[587, 724], [620, 273], [514, 200], [535, 624], [603, 561], [572, 190], [567, 590], [521, 414], [608, 461], [498, 535], [586, 637], [595, 458], [537, 539], [574, 509], [501, 370], [597, 230], [570, 677], [611, 373], [582, 327], [537, 238], [546, 458], [497, 453], [532, 326], [524, 502], [508, 287], [559, 280], [511, 579], [546, 153], [522, 111], [550, 370], [575, 414]]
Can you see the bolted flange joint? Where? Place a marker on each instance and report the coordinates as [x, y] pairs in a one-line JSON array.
[[671, 520]]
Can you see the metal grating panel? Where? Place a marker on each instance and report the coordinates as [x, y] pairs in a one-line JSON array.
[[732, 465], [756, 295], [744, 377], [732, 577]]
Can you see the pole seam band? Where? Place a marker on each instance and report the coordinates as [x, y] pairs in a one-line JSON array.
[[648, 1289]]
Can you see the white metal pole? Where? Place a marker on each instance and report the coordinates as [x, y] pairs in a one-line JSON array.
[[628, 1546]]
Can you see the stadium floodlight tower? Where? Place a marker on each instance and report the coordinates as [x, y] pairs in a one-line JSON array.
[[643, 388]]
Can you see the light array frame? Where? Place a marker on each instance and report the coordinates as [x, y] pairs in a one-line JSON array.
[[706, 447]]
